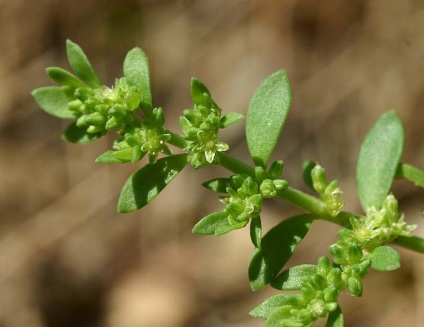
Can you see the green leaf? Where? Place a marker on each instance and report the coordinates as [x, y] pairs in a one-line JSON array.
[[230, 119], [65, 78], [266, 116], [145, 184], [335, 318], [209, 224], [75, 134], [410, 173], [256, 231], [200, 94], [80, 64], [54, 101], [109, 157], [307, 173], [265, 310], [137, 73], [378, 159], [221, 230], [281, 317], [291, 279], [385, 258], [218, 185], [278, 245]]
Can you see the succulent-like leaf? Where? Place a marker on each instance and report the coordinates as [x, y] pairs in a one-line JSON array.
[[137, 73], [81, 65], [209, 224], [256, 231], [265, 310], [410, 173], [218, 185], [277, 247], [307, 173], [335, 318], [65, 78], [266, 116], [230, 119], [385, 258], [291, 279], [109, 157], [145, 184], [200, 94], [54, 101], [79, 135], [378, 159]]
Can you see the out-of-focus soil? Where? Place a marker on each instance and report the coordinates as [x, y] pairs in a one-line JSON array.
[[68, 259]]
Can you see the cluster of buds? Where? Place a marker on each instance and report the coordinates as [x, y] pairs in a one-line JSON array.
[[99, 110]]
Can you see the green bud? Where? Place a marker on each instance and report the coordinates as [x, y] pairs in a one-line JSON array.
[[324, 265], [354, 253], [354, 286], [331, 306], [268, 189], [276, 169], [260, 174], [318, 281], [280, 184], [331, 293], [334, 277], [318, 309], [319, 180], [339, 252]]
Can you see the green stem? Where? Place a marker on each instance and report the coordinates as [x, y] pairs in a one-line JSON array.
[[412, 243], [235, 165], [410, 173], [305, 201], [177, 140]]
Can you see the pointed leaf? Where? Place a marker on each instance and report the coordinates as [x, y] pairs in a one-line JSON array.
[[200, 94], [137, 73], [218, 185], [307, 173], [145, 184], [256, 231], [385, 258], [281, 317], [209, 224], [265, 310], [335, 318], [278, 245], [109, 157], [75, 134], [65, 78], [378, 159], [80, 64], [291, 279], [230, 119], [410, 173], [54, 101], [266, 116]]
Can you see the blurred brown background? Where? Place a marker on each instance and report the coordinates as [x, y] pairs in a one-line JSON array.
[[68, 259]]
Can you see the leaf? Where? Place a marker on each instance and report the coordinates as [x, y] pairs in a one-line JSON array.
[[218, 185], [145, 184], [410, 173], [281, 317], [209, 224], [335, 318], [80, 64], [266, 116], [378, 159], [63, 77], [54, 101], [265, 310], [307, 173], [385, 258], [256, 231], [291, 279], [78, 135], [109, 157], [230, 119], [200, 94], [278, 245], [137, 73]]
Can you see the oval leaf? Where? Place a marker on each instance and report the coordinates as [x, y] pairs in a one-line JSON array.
[[291, 279], [145, 184], [54, 101], [209, 224], [266, 116], [378, 159], [265, 310], [218, 185], [230, 119], [63, 77], [200, 94], [256, 231], [277, 247], [80, 64], [78, 135], [109, 157], [136, 71], [385, 258], [335, 318]]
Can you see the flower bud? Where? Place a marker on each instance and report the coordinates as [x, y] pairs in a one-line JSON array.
[[319, 180], [276, 169]]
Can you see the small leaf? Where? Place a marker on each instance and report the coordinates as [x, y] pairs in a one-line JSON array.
[[307, 173], [80, 64], [256, 231], [278, 245], [109, 157], [209, 224], [218, 185], [230, 119], [266, 116], [385, 258], [335, 318], [378, 159], [265, 310], [221, 230], [200, 94], [75, 134], [65, 78], [136, 71], [291, 279], [54, 101], [281, 317], [145, 184], [410, 173]]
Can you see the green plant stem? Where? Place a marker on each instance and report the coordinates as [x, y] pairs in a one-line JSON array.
[[410, 173], [176, 140], [235, 165], [412, 243]]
